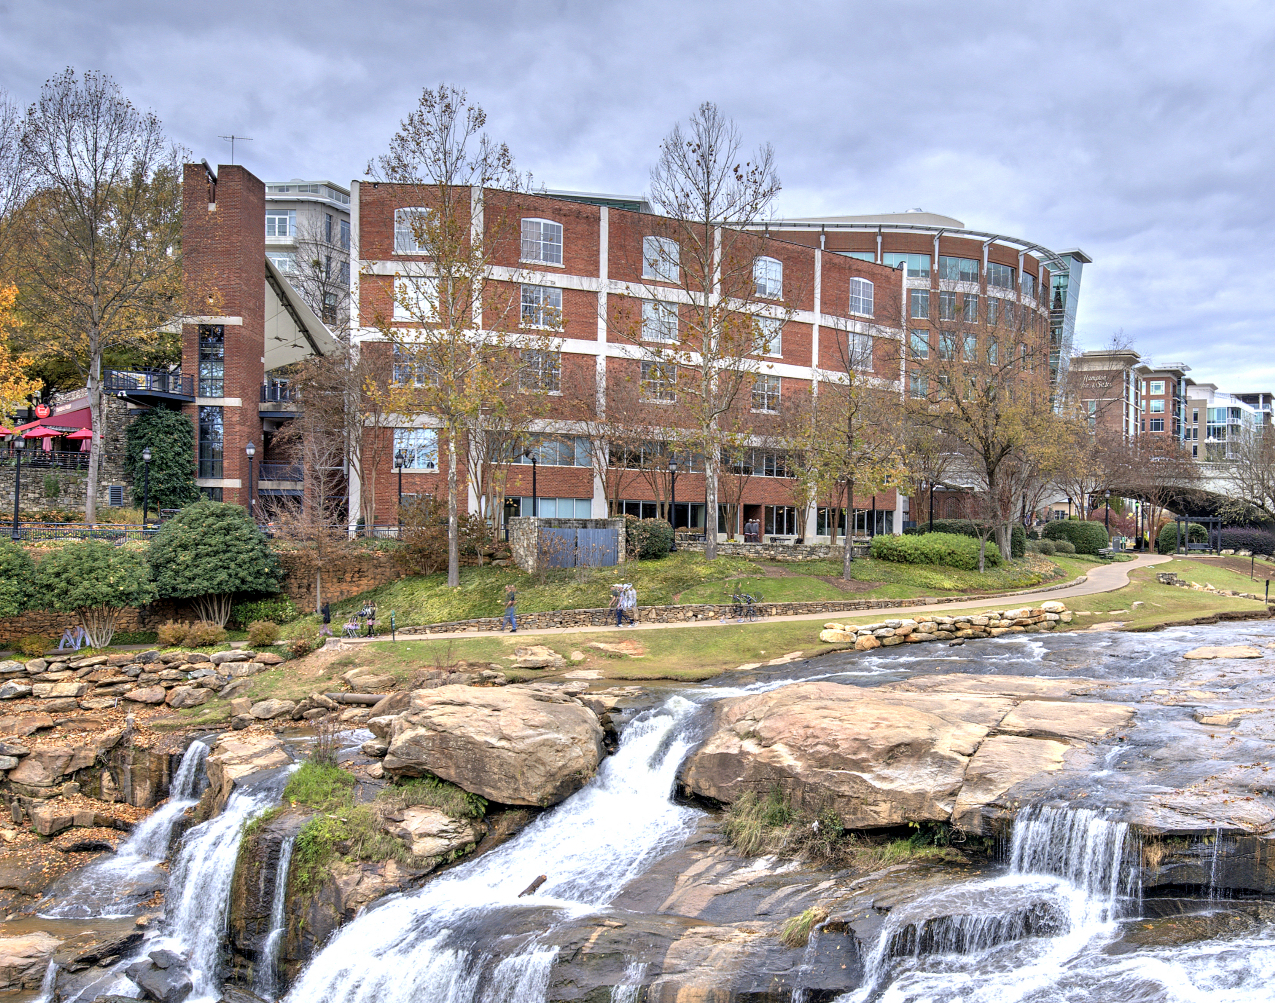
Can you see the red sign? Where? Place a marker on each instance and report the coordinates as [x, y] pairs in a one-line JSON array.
[[42, 410]]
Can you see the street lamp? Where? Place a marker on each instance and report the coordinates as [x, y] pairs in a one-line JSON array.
[[535, 505], [1107, 516], [672, 499], [19, 443], [251, 451], [146, 490], [400, 460]]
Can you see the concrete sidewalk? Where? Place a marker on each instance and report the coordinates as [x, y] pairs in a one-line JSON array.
[[1101, 578]]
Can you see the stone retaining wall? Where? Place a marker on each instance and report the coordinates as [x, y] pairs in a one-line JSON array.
[[1171, 578], [1025, 620], [777, 551], [701, 611]]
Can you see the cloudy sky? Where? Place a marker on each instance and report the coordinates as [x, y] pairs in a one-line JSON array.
[[1138, 132]]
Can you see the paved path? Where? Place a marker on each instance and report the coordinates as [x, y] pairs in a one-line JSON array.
[[1100, 578]]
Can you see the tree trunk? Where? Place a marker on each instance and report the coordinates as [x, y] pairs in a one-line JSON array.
[[453, 525], [95, 416], [318, 590], [847, 558], [711, 463], [99, 624]]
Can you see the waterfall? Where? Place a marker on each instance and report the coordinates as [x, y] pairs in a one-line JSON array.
[[117, 885], [438, 943], [267, 981], [627, 991]]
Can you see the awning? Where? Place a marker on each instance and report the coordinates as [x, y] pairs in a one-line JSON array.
[[68, 420]]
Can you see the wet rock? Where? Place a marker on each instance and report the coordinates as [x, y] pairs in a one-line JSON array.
[[147, 694], [1224, 651], [188, 696], [164, 985], [430, 832], [1087, 721], [237, 756], [1001, 762], [92, 947], [508, 744], [24, 959], [267, 710]]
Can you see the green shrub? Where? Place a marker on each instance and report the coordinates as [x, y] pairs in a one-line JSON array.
[[453, 800], [94, 580], [204, 634], [1048, 547], [33, 645], [948, 549], [52, 487], [278, 609], [170, 435], [299, 647], [1086, 537], [320, 787], [963, 527], [647, 539], [17, 580], [172, 634], [1167, 541], [1061, 546], [262, 633]]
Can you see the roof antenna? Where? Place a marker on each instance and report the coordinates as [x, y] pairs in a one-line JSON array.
[[232, 137]]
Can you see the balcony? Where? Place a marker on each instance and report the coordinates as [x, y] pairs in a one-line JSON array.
[[34, 456], [290, 472], [278, 400], [149, 386]]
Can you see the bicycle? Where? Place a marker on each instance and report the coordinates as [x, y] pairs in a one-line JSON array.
[[745, 606]]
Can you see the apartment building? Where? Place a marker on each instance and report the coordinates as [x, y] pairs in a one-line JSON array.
[[307, 227], [1107, 388], [1164, 396], [1222, 424]]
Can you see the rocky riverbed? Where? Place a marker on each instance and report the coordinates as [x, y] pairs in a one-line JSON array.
[[1031, 816]]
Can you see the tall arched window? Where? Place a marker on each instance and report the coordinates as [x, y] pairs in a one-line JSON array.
[[768, 277], [861, 297]]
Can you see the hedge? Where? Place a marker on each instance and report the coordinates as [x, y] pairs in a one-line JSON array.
[[1167, 541], [647, 538], [954, 550], [963, 527], [1255, 541], [1086, 537]]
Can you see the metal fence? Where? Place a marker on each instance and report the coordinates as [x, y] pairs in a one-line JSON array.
[[116, 381], [117, 533], [41, 460]]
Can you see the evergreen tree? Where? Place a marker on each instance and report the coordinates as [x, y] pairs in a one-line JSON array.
[[170, 436], [94, 580], [17, 580]]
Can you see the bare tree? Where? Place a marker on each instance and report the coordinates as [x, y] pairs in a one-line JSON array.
[[101, 231], [707, 317], [321, 274], [14, 180], [1251, 480]]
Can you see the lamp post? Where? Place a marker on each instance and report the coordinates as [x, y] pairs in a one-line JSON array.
[[400, 458], [535, 504], [146, 490], [19, 443], [672, 499], [250, 450], [1107, 515], [931, 506]]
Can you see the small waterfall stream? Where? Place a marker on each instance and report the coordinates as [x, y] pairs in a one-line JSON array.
[[267, 981]]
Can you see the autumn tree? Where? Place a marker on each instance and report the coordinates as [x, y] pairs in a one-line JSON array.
[[100, 230], [16, 388], [14, 177], [711, 302]]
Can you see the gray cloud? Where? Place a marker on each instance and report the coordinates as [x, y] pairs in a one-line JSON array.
[[1139, 132]]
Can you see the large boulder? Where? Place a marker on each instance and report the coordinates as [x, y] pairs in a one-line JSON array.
[[240, 754], [14, 689], [537, 656], [268, 710], [24, 959], [430, 832], [187, 696], [511, 745], [147, 694], [21, 725]]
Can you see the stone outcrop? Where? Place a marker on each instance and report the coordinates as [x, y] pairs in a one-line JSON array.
[[24, 959], [514, 745], [237, 755], [1024, 620], [431, 832], [1209, 652]]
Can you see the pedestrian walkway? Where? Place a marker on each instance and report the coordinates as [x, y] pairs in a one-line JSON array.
[[1101, 578]]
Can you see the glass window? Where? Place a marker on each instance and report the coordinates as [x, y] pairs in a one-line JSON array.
[[416, 448], [918, 264], [1155, 387], [1029, 285], [345, 234], [281, 223], [919, 303], [409, 231], [770, 332], [969, 308], [542, 241], [660, 259], [212, 355], [345, 273], [541, 372], [958, 269], [211, 438], [416, 299], [947, 306], [768, 277], [993, 353], [1092, 408], [861, 351], [919, 385], [766, 393], [557, 451], [970, 351], [408, 370], [1000, 276], [860, 255], [861, 297], [1195, 416], [285, 261], [947, 346], [659, 381], [1157, 424], [1058, 299], [920, 344], [993, 305], [1157, 407], [781, 520], [327, 227], [541, 306], [659, 321]]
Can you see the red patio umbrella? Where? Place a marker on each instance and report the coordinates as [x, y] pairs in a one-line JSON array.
[[83, 436], [40, 432]]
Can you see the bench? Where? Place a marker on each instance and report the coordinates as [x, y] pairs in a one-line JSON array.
[[1106, 553]]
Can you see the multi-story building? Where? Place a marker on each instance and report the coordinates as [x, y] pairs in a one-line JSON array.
[[1164, 394], [1106, 387], [1222, 423], [308, 240]]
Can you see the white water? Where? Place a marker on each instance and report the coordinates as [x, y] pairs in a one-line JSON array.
[[627, 991], [116, 885], [267, 981], [429, 945]]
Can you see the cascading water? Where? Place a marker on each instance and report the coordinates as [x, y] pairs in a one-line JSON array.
[[267, 981], [428, 945], [117, 885], [627, 991]]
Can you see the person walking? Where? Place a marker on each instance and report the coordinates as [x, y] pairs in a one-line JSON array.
[[371, 619], [326, 610], [615, 603], [628, 604], [511, 601]]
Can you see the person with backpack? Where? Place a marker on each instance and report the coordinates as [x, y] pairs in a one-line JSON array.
[[511, 602]]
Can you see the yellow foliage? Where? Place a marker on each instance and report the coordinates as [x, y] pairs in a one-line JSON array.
[[16, 387]]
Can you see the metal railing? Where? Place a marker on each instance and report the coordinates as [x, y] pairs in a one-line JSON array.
[[280, 472], [35, 457], [77, 530], [274, 393], [148, 381]]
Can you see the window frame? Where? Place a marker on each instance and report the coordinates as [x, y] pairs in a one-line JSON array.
[[996, 269], [538, 318], [539, 241], [770, 345], [659, 317], [969, 308], [857, 287], [661, 255], [763, 277], [921, 296], [425, 434], [947, 305], [959, 272], [766, 391], [546, 365], [289, 217], [424, 289], [892, 259], [404, 230], [658, 381], [919, 344]]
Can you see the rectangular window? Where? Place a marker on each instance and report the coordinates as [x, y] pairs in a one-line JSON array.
[[919, 385], [860, 255], [345, 234], [659, 381], [958, 269], [969, 352], [919, 303], [416, 448], [1029, 285], [1195, 416], [659, 321], [1092, 408], [770, 333], [407, 370], [861, 297], [918, 264], [766, 393], [947, 306], [557, 451], [541, 306], [416, 299], [768, 277], [660, 259], [861, 351], [409, 235], [1000, 276], [993, 353], [211, 437], [1156, 407], [1155, 387], [947, 347], [920, 342], [542, 241], [212, 494], [345, 273], [762, 463], [327, 227], [969, 308], [281, 223], [993, 305], [1157, 424], [781, 520], [285, 261], [212, 356], [541, 372]]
